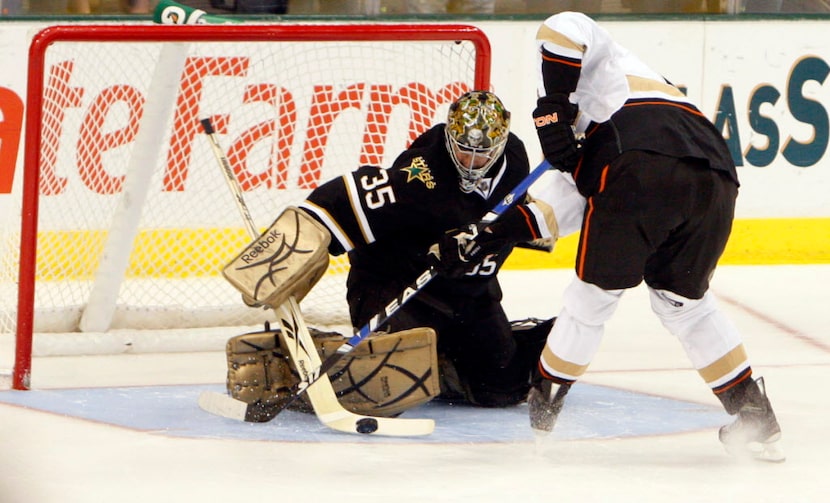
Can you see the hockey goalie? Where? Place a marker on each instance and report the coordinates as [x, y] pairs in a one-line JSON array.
[[421, 214]]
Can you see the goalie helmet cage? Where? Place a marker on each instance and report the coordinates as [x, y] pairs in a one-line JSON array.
[[126, 218]]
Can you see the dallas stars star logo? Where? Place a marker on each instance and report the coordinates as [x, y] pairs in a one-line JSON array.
[[418, 170]]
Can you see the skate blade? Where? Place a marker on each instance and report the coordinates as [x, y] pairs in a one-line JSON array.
[[770, 452]]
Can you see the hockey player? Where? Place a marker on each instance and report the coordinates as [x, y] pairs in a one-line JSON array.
[[660, 186], [387, 220]]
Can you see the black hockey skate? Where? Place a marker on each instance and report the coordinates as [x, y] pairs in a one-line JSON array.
[[544, 402], [755, 433]]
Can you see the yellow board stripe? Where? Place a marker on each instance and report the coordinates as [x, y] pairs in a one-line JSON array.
[[779, 241], [203, 252], [188, 253]]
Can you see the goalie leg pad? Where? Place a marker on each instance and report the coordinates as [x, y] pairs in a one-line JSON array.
[[384, 376], [258, 371], [388, 373], [287, 260]]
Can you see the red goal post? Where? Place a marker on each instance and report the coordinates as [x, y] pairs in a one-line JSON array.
[[125, 219]]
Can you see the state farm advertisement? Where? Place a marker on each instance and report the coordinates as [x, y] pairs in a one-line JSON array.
[[762, 83], [111, 113]]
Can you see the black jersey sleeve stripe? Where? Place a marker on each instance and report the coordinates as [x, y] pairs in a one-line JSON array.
[[331, 224], [354, 194]]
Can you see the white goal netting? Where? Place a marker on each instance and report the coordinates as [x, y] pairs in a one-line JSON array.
[[126, 218]]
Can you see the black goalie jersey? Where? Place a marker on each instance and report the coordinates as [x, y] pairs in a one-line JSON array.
[[386, 219]]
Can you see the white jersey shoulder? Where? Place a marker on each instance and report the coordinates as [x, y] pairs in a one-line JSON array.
[[610, 75]]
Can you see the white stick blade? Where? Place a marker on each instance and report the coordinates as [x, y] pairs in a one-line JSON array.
[[223, 405]]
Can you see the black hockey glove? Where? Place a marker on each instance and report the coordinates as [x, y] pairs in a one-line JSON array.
[[459, 250], [554, 117]]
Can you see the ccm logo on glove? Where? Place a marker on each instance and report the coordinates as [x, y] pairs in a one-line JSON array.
[[553, 117], [547, 119]]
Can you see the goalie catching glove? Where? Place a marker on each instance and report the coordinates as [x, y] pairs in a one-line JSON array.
[[384, 376], [459, 250]]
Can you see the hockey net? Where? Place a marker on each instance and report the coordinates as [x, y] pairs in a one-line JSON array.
[[127, 220]]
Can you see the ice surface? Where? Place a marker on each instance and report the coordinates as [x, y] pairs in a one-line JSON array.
[[640, 426]]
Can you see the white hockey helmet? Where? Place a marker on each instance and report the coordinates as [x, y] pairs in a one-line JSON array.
[[476, 134]]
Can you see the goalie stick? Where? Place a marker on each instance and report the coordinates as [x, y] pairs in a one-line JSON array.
[[303, 354], [269, 412]]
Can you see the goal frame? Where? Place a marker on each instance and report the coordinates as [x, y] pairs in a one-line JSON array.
[[365, 32]]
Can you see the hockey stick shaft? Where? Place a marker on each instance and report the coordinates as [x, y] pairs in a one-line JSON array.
[[230, 178]]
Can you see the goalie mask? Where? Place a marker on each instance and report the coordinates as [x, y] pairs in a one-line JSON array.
[[476, 134]]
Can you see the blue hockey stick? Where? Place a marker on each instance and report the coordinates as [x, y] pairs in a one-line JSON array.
[[267, 413]]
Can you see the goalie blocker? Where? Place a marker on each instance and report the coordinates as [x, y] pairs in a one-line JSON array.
[[390, 373], [286, 260]]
